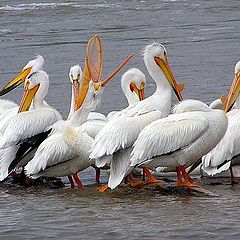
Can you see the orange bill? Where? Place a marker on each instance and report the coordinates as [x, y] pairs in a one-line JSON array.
[[139, 92], [76, 87], [92, 68], [232, 94], [104, 82], [27, 98], [177, 87], [20, 78]]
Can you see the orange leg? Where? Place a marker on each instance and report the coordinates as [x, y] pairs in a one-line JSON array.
[[134, 182], [71, 181], [151, 178], [233, 179], [187, 180], [103, 188], [97, 175], [77, 180], [179, 176]]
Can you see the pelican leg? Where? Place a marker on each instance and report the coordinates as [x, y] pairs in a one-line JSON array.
[[134, 182], [179, 176], [77, 180], [97, 174], [71, 181], [187, 180], [151, 178], [103, 188], [233, 179]]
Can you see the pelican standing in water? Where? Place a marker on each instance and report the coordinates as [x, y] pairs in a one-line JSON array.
[[80, 139], [26, 124], [226, 154], [119, 134], [27, 148], [180, 139]]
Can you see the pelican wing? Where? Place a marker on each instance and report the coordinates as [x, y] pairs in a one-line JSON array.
[[6, 156], [121, 132], [167, 135], [227, 148], [26, 124], [51, 151]]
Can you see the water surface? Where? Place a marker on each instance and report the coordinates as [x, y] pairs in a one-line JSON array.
[[202, 38]]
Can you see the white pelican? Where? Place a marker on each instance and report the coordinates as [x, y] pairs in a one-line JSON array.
[[133, 84], [180, 139], [31, 67], [121, 132], [54, 157], [24, 151], [26, 123], [226, 154], [80, 139], [8, 108]]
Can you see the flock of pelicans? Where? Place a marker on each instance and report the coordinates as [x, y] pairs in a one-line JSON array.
[[148, 134]]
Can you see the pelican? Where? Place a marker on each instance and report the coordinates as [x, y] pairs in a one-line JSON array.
[[8, 108], [54, 157], [180, 139], [26, 124], [133, 83], [119, 134], [31, 67], [226, 154], [80, 139], [24, 151]]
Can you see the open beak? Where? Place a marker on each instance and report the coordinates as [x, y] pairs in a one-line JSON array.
[[27, 98], [139, 92], [20, 78], [97, 85], [177, 87], [232, 94], [76, 89]]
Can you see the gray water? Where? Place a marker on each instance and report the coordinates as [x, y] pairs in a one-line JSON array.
[[202, 39]]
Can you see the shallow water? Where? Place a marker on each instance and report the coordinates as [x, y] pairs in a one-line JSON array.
[[202, 38]]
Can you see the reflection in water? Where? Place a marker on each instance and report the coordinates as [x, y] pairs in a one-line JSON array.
[[202, 40]]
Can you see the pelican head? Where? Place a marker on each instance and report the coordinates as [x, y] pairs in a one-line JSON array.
[[133, 83], [234, 90], [156, 55], [31, 67], [36, 86], [75, 76]]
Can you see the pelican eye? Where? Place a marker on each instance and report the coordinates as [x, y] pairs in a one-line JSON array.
[[30, 75], [78, 76], [165, 55]]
